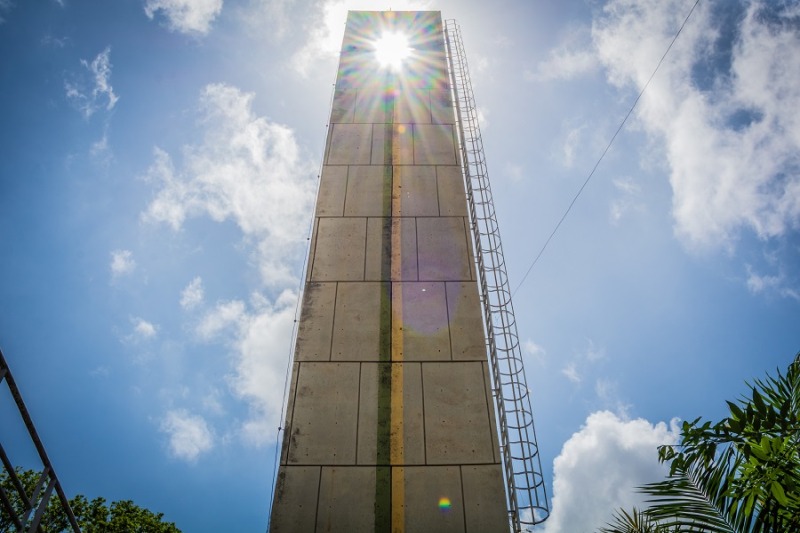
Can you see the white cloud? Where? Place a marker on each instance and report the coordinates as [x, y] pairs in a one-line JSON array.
[[534, 350], [627, 200], [607, 392], [571, 144], [325, 36], [574, 57], [224, 316], [503, 41], [264, 347], [326, 29], [189, 435], [122, 263], [247, 170], [193, 294], [251, 172], [143, 330], [483, 118], [90, 94], [514, 172], [480, 65], [186, 16], [600, 466], [261, 335], [777, 283], [270, 18], [55, 42], [733, 152], [5, 5], [101, 371], [594, 353], [100, 68], [100, 151], [212, 402], [571, 372]]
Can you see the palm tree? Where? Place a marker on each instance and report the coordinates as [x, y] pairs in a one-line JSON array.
[[740, 475]]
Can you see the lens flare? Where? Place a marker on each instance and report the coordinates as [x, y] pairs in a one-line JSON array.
[[391, 49], [444, 504]]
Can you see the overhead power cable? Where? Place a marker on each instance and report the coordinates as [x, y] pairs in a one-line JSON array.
[[602, 156]]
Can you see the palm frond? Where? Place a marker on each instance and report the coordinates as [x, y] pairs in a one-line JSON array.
[[633, 522], [697, 498]]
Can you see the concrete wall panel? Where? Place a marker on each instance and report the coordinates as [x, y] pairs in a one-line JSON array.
[[367, 453], [413, 421], [340, 249], [324, 421], [332, 186], [316, 323], [487, 378], [346, 500], [414, 191], [344, 104], [406, 228], [434, 145], [442, 249], [373, 106], [412, 106], [295, 505], [442, 111], [466, 323], [381, 144], [368, 191], [403, 144], [484, 498], [456, 416], [350, 144], [357, 324], [289, 412], [425, 488], [379, 246], [452, 196], [426, 335]]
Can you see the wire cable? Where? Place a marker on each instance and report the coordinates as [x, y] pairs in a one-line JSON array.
[[293, 338], [603, 155]]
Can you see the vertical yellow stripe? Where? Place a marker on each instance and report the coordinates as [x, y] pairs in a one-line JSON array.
[[397, 450], [398, 500]]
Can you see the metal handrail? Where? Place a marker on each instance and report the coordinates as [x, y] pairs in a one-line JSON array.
[[525, 488], [37, 501]]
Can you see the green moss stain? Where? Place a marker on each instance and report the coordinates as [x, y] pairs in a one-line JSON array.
[[383, 471]]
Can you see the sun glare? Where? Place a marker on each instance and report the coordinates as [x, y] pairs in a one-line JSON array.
[[391, 49]]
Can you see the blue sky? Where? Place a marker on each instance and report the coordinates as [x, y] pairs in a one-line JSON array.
[[157, 171]]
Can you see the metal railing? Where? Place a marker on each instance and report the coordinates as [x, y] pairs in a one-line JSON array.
[[526, 492], [22, 508]]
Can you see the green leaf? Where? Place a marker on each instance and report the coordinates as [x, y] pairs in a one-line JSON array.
[[758, 452], [748, 508], [736, 412], [759, 402], [777, 492]]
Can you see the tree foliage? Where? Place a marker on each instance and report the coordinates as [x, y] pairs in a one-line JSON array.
[[739, 475], [94, 516]]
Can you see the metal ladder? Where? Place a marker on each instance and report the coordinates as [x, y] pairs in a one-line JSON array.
[[525, 488]]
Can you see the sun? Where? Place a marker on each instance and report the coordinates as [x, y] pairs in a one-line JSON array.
[[391, 49]]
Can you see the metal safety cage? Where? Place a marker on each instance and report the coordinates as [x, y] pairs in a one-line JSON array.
[[525, 488], [21, 508]]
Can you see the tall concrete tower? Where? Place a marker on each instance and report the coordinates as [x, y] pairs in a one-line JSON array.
[[390, 421]]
